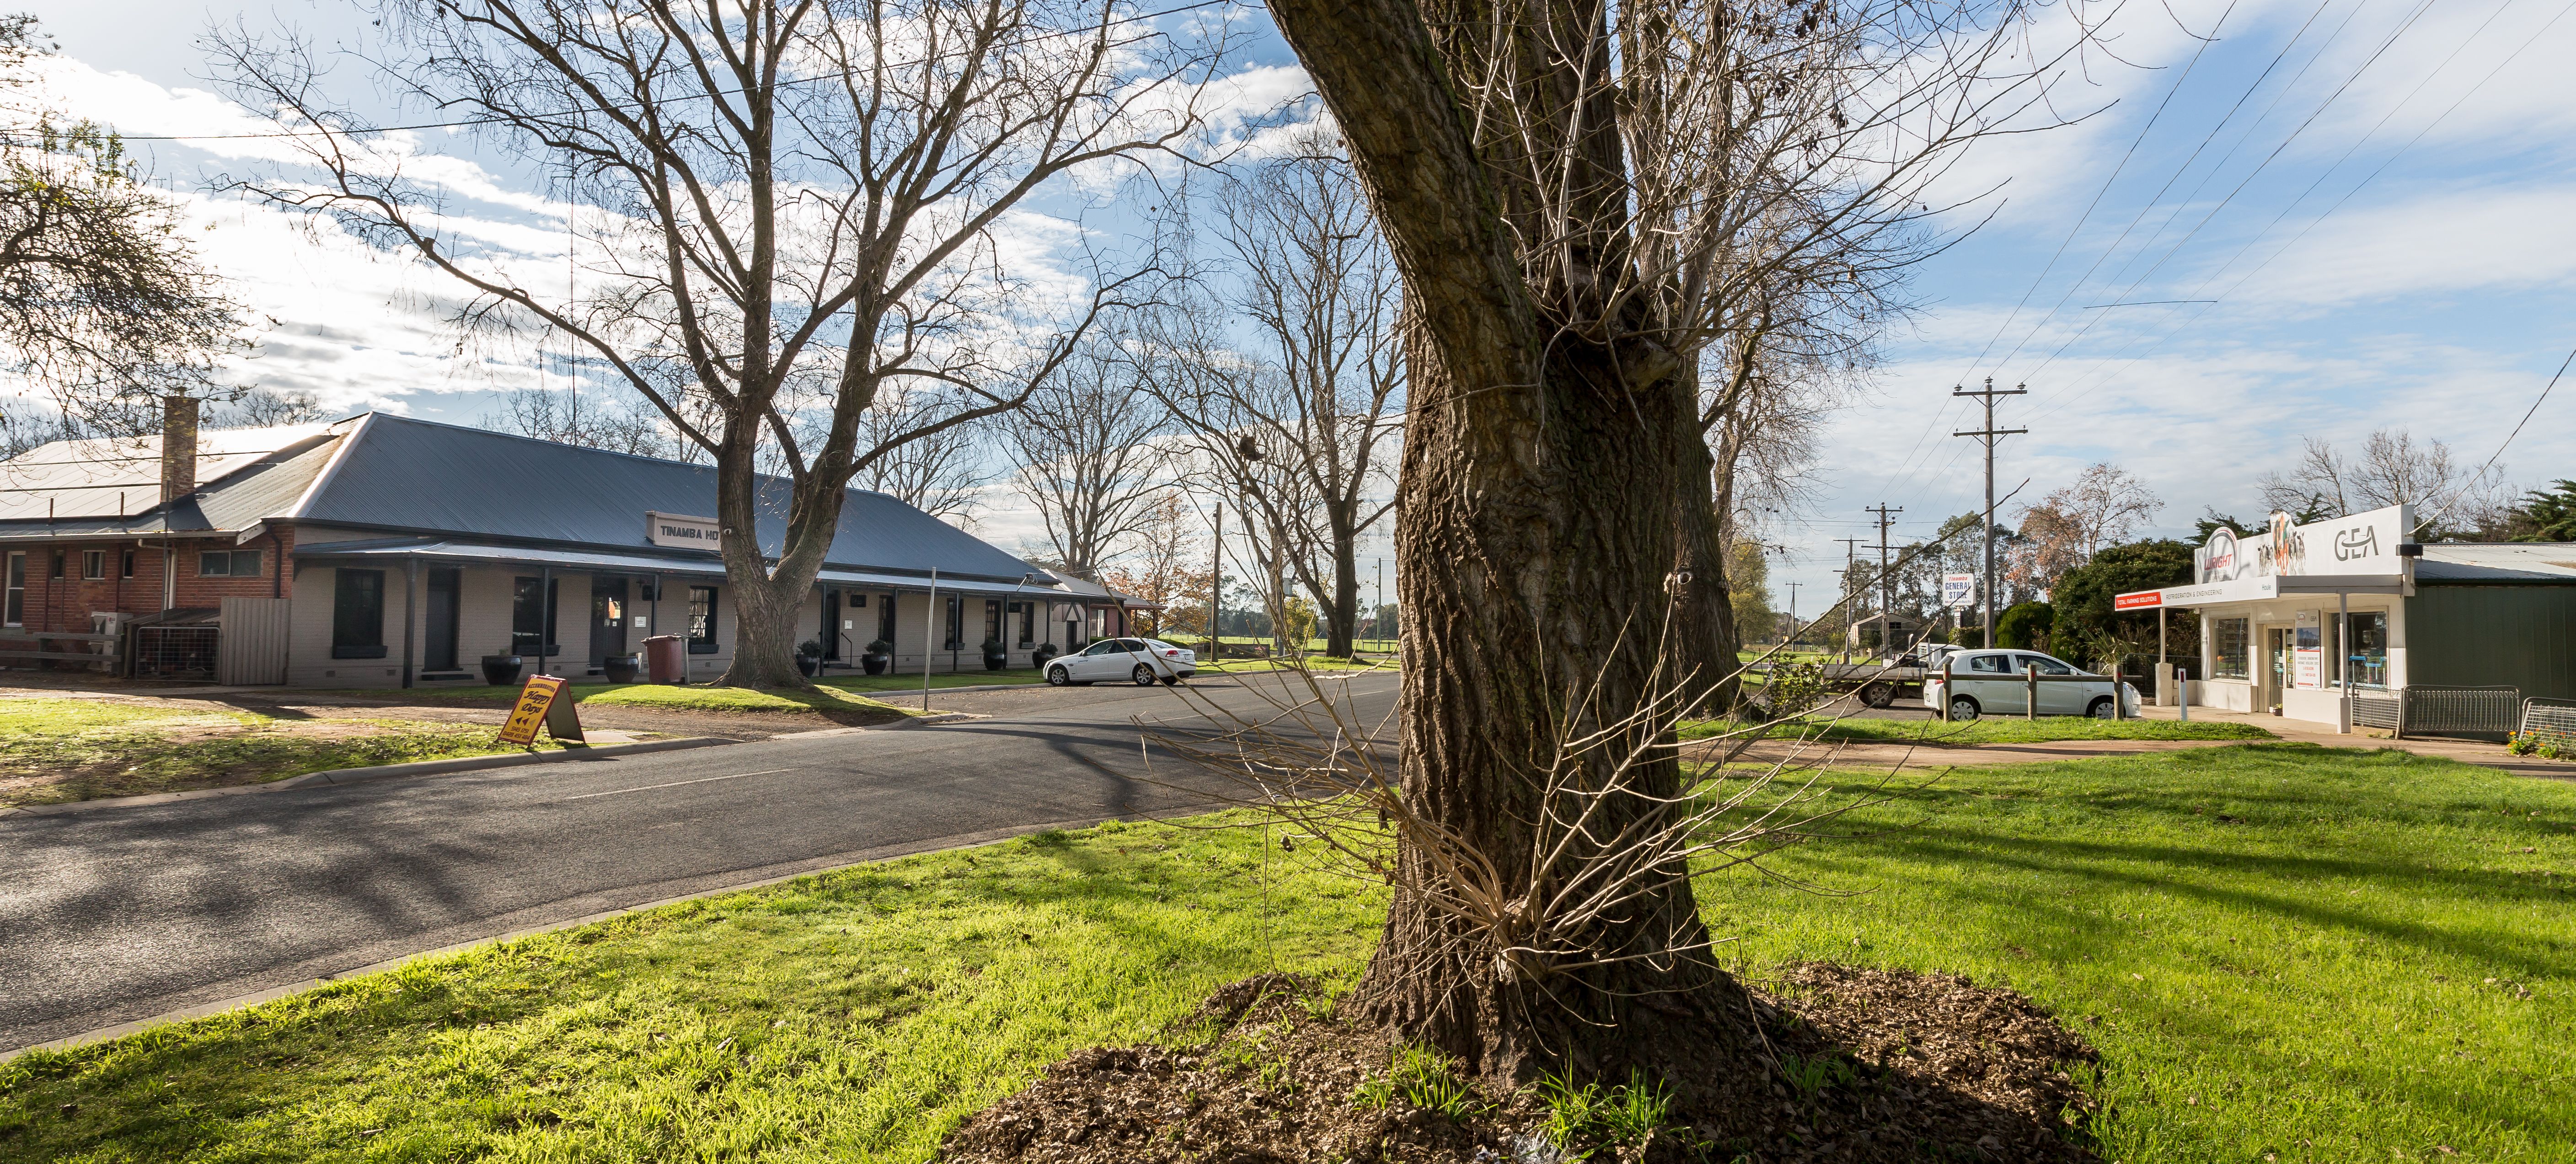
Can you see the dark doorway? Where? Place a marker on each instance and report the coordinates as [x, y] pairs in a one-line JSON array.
[[441, 616], [831, 634], [608, 615]]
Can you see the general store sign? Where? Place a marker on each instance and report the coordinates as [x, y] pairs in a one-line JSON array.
[[2363, 543], [1958, 589], [686, 533]]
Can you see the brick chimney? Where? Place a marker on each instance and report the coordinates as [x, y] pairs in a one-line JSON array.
[[178, 447]]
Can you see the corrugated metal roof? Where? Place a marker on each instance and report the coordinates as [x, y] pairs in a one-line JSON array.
[[442, 549], [107, 477], [416, 476], [263, 486], [2497, 562]]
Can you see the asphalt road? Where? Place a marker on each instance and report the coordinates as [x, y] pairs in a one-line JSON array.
[[120, 914]]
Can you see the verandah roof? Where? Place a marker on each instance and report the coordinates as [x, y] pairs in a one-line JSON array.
[[592, 560]]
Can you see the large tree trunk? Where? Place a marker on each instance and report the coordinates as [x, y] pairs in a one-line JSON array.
[[1534, 540], [767, 600], [1342, 614], [1704, 632]]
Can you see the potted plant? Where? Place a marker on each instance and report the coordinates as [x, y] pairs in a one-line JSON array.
[[502, 670], [996, 655], [621, 668], [1038, 658], [879, 657], [809, 658]]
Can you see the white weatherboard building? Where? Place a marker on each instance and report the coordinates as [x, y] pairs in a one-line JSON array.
[[2323, 621]]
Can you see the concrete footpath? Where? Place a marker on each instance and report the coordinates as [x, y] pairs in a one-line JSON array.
[[1929, 754]]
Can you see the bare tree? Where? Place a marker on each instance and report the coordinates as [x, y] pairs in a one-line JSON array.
[[2105, 506], [586, 420], [103, 305], [263, 407], [1089, 456], [941, 473], [2391, 468], [786, 207], [1166, 565], [1323, 405], [1562, 194]]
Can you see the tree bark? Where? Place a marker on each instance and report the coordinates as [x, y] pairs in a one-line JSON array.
[[1704, 632], [1535, 537]]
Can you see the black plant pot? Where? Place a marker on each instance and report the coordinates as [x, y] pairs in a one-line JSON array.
[[1038, 658], [809, 665], [876, 664], [997, 660], [621, 668], [501, 670]]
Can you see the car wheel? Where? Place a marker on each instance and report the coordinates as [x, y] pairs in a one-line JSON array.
[[1143, 675], [2101, 708], [1059, 677], [1963, 709], [1878, 694]]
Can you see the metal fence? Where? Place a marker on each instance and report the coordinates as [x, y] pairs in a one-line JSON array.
[[2550, 719], [175, 652], [2479, 712]]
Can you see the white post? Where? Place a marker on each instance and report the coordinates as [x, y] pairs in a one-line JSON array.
[[2182, 684], [929, 629]]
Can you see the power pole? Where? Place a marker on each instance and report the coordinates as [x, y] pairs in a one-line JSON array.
[[1216, 591], [1851, 566], [1886, 588], [1990, 434], [1792, 632]]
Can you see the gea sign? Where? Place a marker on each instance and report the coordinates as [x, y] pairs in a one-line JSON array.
[[687, 533], [1958, 589]]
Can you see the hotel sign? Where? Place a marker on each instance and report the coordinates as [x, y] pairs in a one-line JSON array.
[[686, 533]]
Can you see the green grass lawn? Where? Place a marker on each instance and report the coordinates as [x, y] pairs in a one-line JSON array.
[[2282, 951], [691, 697], [1998, 731], [702, 698], [912, 682], [2312, 955], [58, 750]]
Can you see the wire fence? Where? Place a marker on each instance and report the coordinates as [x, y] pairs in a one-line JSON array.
[[175, 652]]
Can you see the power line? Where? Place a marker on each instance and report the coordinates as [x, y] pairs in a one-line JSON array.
[[2508, 439], [476, 122]]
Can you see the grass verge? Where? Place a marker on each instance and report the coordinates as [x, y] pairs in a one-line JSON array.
[[912, 682], [697, 698], [854, 1016], [2282, 950], [1997, 731], [54, 751]]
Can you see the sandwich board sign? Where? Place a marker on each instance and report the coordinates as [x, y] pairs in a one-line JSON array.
[[541, 702]]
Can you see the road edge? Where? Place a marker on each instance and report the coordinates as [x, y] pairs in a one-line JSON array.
[[973, 840], [336, 777]]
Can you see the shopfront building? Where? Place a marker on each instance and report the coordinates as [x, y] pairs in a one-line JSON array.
[[2303, 620]]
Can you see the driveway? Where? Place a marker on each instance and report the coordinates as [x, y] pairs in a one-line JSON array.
[[119, 914]]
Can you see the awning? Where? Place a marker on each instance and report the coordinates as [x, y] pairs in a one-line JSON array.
[[2260, 589], [608, 561]]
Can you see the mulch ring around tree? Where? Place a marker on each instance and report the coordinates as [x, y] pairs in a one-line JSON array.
[[1863, 1065]]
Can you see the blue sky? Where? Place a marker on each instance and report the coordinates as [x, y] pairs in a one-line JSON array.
[[2376, 192]]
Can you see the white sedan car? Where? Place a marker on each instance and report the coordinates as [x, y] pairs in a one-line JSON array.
[[1143, 662], [1991, 683]]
